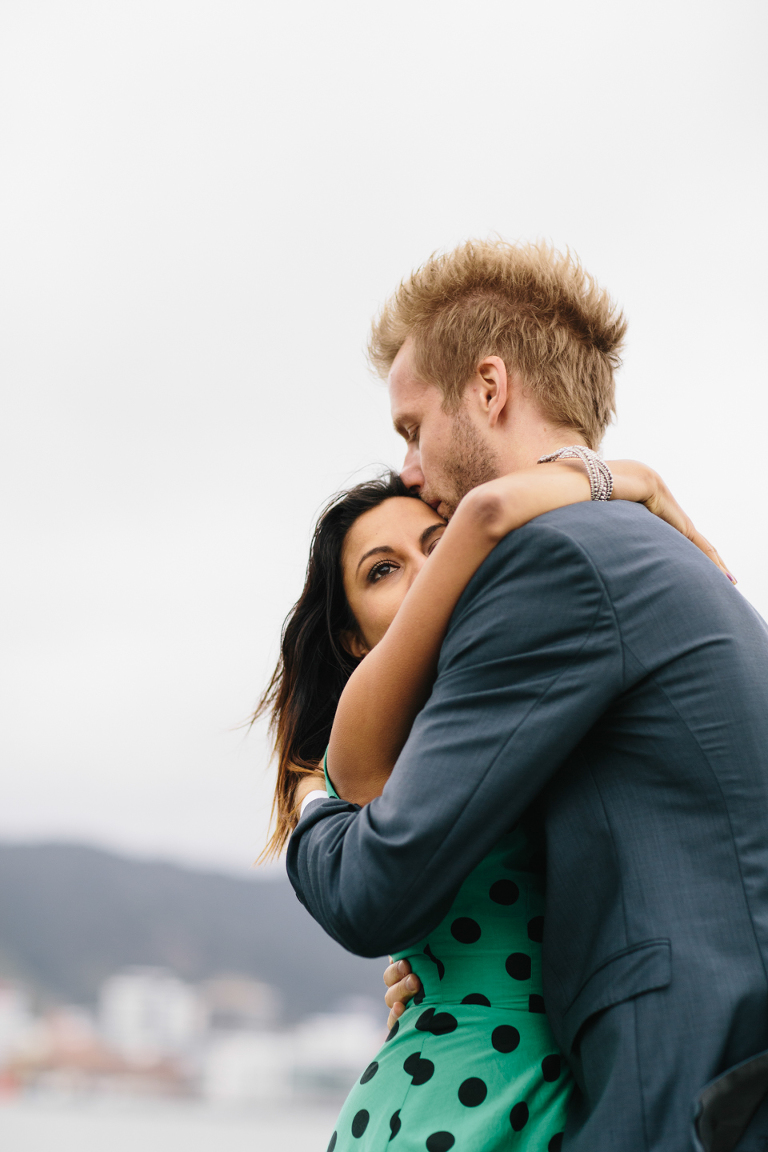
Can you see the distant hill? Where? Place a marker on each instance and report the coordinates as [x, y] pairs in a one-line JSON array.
[[72, 915]]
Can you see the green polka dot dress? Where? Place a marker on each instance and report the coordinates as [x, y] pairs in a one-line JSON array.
[[471, 1064]]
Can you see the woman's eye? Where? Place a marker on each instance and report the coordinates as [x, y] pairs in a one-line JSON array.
[[383, 568]]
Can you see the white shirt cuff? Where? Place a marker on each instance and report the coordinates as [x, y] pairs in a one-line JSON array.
[[317, 794]]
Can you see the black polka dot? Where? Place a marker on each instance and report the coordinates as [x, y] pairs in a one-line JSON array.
[[438, 1023], [504, 892], [518, 1117], [477, 998], [536, 1003], [442, 1023], [550, 1067], [438, 963], [555, 1143], [332, 1142], [472, 1092], [518, 966], [418, 1069], [394, 1124], [465, 930], [536, 929], [360, 1123], [440, 1142], [369, 1073], [505, 1038], [419, 997], [393, 1031]]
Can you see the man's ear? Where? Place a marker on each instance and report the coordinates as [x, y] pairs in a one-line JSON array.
[[353, 643], [493, 389]]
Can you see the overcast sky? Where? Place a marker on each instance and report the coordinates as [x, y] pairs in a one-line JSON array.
[[202, 204]]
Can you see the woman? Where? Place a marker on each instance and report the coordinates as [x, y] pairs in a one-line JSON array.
[[472, 1063]]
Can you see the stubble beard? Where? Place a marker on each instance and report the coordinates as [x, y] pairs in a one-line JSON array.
[[470, 462]]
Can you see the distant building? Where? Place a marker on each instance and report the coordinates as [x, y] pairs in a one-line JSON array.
[[157, 1036], [319, 1058], [148, 1014], [239, 1003], [331, 1050], [15, 1019], [248, 1068], [62, 1053]]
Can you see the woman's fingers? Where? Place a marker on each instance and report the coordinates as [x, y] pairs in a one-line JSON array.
[[671, 511], [662, 503], [710, 550]]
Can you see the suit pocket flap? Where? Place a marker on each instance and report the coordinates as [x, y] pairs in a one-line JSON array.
[[641, 968]]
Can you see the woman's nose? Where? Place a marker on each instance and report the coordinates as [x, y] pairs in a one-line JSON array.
[[417, 563], [411, 474]]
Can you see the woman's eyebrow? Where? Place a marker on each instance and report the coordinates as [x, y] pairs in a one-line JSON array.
[[373, 552], [384, 548], [428, 532]]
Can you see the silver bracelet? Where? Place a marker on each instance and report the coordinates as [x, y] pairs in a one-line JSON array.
[[600, 478]]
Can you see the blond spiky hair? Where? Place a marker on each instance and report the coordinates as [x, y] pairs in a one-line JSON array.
[[531, 305]]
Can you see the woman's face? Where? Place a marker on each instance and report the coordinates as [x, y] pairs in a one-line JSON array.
[[384, 551]]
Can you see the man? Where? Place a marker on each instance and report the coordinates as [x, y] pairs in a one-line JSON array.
[[599, 662]]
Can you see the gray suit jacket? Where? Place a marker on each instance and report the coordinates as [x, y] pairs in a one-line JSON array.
[[598, 661]]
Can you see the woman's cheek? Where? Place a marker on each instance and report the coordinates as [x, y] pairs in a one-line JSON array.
[[384, 617]]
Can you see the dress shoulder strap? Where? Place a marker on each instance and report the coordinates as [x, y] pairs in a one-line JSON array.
[[328, 785]]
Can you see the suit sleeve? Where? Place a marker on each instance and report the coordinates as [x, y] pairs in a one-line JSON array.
[[531, 659]]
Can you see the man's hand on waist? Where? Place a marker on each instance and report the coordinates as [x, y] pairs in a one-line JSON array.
[[402, 986]]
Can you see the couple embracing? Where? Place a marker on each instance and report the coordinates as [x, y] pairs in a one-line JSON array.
[[521, 717]]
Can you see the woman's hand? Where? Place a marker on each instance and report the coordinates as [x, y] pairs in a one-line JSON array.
[[390, 686], [637, 482], [499, 506]]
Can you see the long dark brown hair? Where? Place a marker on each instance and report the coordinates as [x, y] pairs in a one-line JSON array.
[[313, 667]]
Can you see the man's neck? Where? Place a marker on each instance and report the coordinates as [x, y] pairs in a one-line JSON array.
[[529, 443]]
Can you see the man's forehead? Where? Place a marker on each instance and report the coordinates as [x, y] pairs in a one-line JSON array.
[[408, 394], [408, 404]]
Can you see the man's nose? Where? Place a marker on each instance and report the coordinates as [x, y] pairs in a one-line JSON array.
[[411, 473]]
